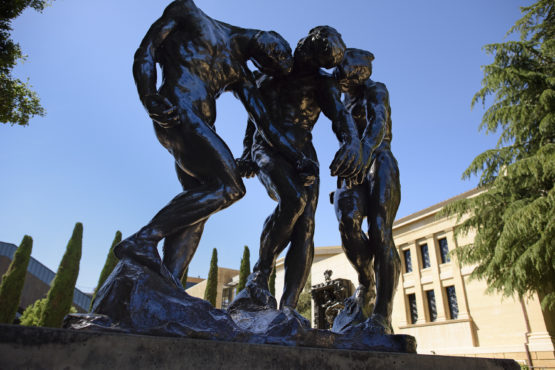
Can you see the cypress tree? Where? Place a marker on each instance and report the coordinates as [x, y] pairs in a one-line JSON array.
[[184, 278], [245, 269], [111, 262], [211, 291], [514, 216], [272, 281], [13, 281], [60, 295]]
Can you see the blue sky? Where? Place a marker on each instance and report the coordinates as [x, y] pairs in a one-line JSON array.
[[94, 157]]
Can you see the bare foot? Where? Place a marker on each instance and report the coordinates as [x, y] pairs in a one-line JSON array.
[[144, 252], [379, 324]]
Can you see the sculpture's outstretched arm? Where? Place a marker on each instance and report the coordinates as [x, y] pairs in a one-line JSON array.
[[348, 159], [159, 108], [247, 166], [378, 114]]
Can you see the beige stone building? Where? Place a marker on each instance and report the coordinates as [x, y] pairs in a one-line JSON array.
[[437, 303], [227, 279]]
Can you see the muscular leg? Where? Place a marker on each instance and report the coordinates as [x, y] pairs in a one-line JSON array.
[[351, 209], [298, 260], [180, 247], [279, 178], [203, 155], [385, 196]]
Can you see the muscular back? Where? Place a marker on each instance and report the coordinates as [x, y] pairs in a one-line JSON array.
[[197, 52]]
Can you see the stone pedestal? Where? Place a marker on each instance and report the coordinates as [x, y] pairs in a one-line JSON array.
[[42, 348]]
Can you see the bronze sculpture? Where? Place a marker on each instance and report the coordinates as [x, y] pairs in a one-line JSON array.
[[201, 58], [376, 198], [295, 102]]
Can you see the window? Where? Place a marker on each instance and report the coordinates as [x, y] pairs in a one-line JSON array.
[[452, 301], [413, 309], [425, 256], [444, 250], [227, 297], [431, 298], [408, 262]]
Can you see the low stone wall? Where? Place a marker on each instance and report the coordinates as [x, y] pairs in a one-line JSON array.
[[42, 348]]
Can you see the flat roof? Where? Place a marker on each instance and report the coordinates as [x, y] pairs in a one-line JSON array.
[[435, 207]]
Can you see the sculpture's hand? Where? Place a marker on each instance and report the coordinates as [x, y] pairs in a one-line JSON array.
[[348, 161], [308, 170], [161, 110], [247, 167]]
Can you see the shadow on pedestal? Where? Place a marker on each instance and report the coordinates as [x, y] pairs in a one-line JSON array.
[[41, 348]]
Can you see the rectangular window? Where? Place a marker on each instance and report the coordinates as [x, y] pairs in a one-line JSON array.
[[431, 298], [413, 309], [444, 250], [425, 256], [408, 262], [227, 297], [452, 301]]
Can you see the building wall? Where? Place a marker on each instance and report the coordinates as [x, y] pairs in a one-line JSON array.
[[225, 275], [487, 325]]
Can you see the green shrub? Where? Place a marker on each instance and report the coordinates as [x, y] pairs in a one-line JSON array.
[[31, 315]]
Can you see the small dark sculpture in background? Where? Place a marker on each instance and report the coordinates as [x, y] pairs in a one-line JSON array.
[[376, 198], [295, 102], [200, 59], [327, 276], [328, 299]]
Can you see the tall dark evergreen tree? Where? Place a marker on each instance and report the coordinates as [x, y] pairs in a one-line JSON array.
[[60, 296], [245, 269], [111, 262], [13, 281], [211, 291], [18, 102], [272, 281], [514, 216]]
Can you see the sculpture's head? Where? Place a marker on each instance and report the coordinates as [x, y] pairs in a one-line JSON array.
[[271, 53], [323, 47], [355, 68]]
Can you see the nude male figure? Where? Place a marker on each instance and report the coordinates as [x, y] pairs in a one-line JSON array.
[[295, 102], [377, 198], [200, 58]]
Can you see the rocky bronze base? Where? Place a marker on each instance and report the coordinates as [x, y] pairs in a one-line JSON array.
[[135, 299]]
